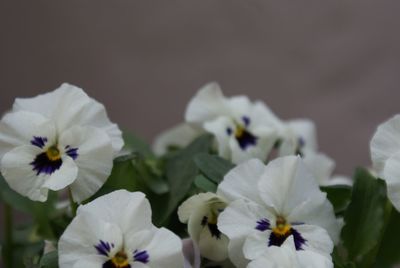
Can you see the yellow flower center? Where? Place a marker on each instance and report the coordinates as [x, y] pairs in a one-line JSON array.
[[282, 227], [239, 132], [120, 260], [53, 154]]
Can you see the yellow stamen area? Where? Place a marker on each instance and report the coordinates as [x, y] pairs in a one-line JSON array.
[[239, 131], [216, 206], [282, 228], [120, 260], [53, 153]]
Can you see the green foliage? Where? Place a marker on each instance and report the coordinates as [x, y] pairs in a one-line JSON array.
[[205, 184], [49, 260], [213, 166], [339, 196], [389, 251], [181, 171], [136, 144], [364, 219]]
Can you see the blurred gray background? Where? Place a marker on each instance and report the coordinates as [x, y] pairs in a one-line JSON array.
[[336, 62]]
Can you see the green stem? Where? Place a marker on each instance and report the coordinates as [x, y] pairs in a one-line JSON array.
[[74, 206], [8, 236]]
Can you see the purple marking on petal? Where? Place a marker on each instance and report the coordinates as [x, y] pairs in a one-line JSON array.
[[246, 120], [229, 131], [72, 152], [299, 240], [103, 248], [43, 165], [262, 225], [246, 140], [278, 240], [141, 256], [301, 142], [39, 141]]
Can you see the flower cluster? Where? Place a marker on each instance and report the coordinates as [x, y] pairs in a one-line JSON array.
[[232, 186]]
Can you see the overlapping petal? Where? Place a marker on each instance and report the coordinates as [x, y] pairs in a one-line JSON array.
[[68, 106], [117, 228]]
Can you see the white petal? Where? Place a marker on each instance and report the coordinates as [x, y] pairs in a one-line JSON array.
[[241, 182], [287, 257], [286, 184], [219, 127], [239, 106], [310, 259], [391, 174], [191, 253], [62, 177], [19, 128], [207, 104], [261, 115], [385, 142], [68, 106], [212, 248], [289, 188], [92, 261], [163, 246], [18, 172], [94, 160], [305, 129], [317, 239], [189, 207], [278, 257], [237, 221], [82, 235], [320, 165], [131, 210], [194, 224], [256, 244], [266, 138], [180, 136], [318, 212]]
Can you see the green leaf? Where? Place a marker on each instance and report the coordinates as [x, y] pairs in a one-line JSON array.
[[150, 175], [137, 145], [389, 251], [364, 217], [339, 196], [205, 184], [123, 176], [14, 199], [213, 166], [181, 170], [49, 260]]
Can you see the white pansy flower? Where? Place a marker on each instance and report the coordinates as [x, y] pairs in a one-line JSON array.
[[385, 154], [242, 129], [286, 256], [115, 231], [201, 213], [274, 203], [58, 139]]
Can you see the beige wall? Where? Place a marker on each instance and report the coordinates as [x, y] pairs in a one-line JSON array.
[[336, 62]]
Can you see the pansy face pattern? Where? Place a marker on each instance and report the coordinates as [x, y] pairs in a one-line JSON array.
[[103, 236], [279, 202], [242, 129], [121, 259], [57, 140]]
